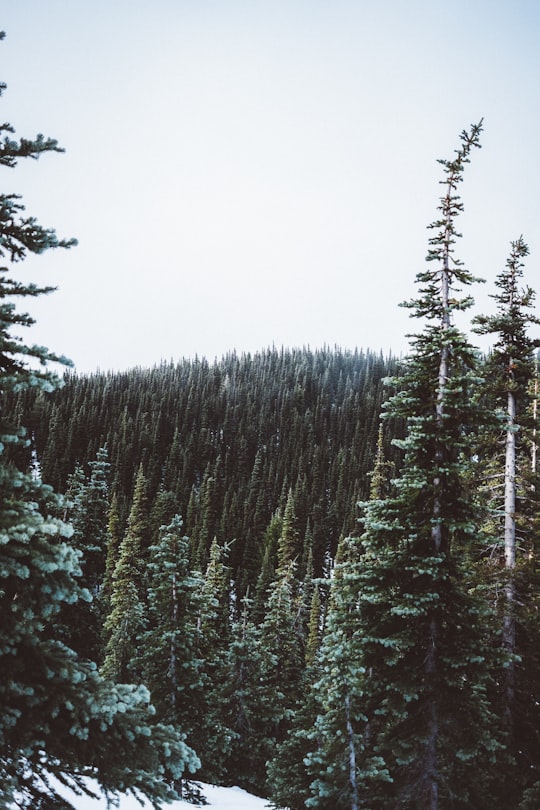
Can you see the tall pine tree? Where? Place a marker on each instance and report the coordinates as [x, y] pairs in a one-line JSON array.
[[422, 733], [509, 373], [127, 618], [57, 716]]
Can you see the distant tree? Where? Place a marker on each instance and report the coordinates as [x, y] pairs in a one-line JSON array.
[[58, 718], [288, 544], [88, 507], [182, 652], [114, 538], [253, 709], [127, 618], [267, 573]]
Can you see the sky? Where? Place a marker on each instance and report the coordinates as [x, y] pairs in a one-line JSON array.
[[251, 173]]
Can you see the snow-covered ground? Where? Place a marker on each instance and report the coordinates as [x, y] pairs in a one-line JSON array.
[[218, 798]]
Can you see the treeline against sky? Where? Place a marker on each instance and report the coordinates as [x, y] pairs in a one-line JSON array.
[[223, 444]]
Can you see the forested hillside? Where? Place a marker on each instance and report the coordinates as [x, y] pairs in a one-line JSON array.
[[273, 570], [224, 444]]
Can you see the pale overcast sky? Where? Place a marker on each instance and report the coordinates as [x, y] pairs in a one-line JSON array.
[[248, 173]]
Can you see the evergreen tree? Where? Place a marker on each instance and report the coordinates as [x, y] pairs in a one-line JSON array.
[[114, 538], [252, 705], [267, 573], [127, 618], [313, 640], [509, 372], [283, 644], [58, 718], [181, 656], [412, 694], [338, 767], [88, 515], [216, 622], [288, 548]]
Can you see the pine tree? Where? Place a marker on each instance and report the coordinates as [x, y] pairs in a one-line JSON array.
[[509, 372], [182, 652], [253, 711], [288, 546], [88, 499], [127, 618], [58, 718], [420, 729], [114, 538], [267, 573], [338, 768]]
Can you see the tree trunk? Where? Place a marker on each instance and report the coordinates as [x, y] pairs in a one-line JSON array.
[[430, 775], [509, 624], [352, 755], [172, 659], [534, 447]]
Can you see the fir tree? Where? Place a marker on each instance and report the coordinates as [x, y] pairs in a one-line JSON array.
[[509, 372], [288, 548], [267, 573], [181, 654], [58, 718], [420, 728], [338, 769], [113, 541], [253, 711], [127, 618], [88, 510]]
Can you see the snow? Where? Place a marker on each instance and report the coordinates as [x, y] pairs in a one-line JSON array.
[[218, 798]]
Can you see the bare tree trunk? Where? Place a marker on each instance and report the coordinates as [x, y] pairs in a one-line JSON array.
[[430, 776], [352, 755], [510, 486], [436, 531], [534, 447], [509, 624], [172, 653], [431, 791]]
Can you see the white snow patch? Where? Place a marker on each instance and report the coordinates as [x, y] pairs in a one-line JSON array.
[[218, 798]]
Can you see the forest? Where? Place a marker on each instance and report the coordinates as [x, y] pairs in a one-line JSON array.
[[309, 573]]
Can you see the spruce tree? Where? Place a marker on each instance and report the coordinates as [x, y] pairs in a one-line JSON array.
[[58, 718], [336, 766], [88, 508], [253, 711], [113, 541], [420, 729], [127, 618], [512, 488], [182, 652]]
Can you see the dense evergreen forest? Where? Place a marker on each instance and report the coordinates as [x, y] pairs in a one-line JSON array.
[[223, 444], [252, 452], [275, 571]]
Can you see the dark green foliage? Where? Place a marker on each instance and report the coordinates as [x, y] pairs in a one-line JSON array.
[[273, 472], [58, 717], [352, 673], [228, 440], [127, 617], [405, 716], [181, 653], [509, 484], [87, 510], [254, 711]]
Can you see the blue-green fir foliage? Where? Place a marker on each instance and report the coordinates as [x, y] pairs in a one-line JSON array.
[[405, 716], [57, 716]]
